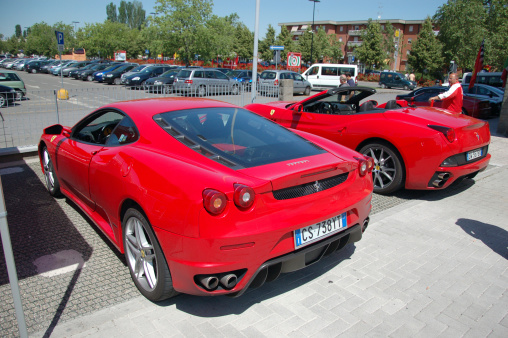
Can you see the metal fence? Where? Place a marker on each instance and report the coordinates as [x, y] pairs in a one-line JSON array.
[[22, 121]]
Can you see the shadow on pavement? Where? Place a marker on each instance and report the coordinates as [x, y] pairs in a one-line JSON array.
[[492, 236], [208, 307]]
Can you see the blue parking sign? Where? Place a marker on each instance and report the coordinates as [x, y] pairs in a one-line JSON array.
[[59, 38]]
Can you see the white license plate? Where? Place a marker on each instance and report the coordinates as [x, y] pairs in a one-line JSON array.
[[315, 232], [471, 155]]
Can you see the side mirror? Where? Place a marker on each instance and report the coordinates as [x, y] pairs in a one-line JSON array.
[[298, 109], [66, 132]]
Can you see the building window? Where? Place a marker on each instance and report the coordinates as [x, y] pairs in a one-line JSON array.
[[356, 39], [410, 28], [357, 28], [341, 28], [408, 52], [382, 27], [340, 39], [409, 41]]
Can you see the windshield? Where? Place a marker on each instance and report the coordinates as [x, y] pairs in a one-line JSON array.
[[138, 69], [241, 139], [234, 73]]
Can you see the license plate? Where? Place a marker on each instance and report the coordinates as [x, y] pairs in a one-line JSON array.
[[320, 230], [471, 155]]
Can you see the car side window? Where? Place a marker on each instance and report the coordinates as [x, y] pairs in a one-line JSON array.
[[124, 133], [221, 75], [297, 77], [98, 128], [198, 74], [209, 74]]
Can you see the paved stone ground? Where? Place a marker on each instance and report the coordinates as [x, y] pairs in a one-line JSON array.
[[431, 263]]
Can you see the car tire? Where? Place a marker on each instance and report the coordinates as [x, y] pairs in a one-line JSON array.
[[3, 100], [167, 89], [388, 173], [201, 91], [145, 259], [117, 81], [34, 71], [307, 91], [89, 78], [406, 88], [52, 183], [383, 86]]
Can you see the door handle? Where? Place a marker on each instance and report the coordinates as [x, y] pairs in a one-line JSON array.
[[341, 130], [94, 152]]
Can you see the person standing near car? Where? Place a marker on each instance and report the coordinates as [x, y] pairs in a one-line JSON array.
[[412, 77], [343, 81], [350, 81], [452, 98]]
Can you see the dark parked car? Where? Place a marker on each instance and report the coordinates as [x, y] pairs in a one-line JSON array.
[[99, 76], [87, 75], [74, 66], [138, 80], [114, 77], [244, 77], [470, 105], [7, 95], [162, 84], [395, 80], [484, 92], [36, 65]]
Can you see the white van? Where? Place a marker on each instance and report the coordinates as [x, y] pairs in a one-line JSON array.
[[326, 75], [491, 79]]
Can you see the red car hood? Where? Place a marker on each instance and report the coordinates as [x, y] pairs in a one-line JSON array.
[[300, 171]]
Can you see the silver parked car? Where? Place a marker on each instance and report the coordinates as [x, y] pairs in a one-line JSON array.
[[269, 82], [202, 81]]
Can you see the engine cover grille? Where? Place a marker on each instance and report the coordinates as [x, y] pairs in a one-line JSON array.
[[310, 188]]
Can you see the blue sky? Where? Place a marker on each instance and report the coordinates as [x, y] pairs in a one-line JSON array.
[[29, 12]]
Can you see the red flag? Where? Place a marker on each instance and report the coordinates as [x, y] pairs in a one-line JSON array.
[[478, 66]]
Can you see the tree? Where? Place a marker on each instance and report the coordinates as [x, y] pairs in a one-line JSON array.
[[18, 31], [496, 51], [244, 41], [285, 39], [216, 38], [264, 45], [41, 40], [305, 45], [370, 52], [334, 49], [103, 39], [180, 22], [111, 12], [461, 30], [426, 52]]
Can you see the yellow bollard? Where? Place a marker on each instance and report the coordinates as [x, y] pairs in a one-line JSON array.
[[62, 94]]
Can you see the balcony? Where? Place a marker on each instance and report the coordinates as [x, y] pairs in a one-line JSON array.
[[354, 43], [355, 32]]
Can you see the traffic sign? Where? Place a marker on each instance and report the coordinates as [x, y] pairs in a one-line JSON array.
[[277, 47], [60, 40], [294, 59]]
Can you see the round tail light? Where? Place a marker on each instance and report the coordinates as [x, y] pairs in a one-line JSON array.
[[365, 165], [214, 201], [244, 196]]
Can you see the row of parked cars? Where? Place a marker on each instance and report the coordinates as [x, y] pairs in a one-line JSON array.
[[12, 87]]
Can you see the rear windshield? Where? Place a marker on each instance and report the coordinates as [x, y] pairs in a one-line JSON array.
[[268, 75], [9, 77], [235, 137], [184, 73]]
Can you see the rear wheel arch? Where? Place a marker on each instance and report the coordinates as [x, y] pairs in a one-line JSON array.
[[378, 140]]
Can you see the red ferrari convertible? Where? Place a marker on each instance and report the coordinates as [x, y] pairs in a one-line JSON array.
[[412, 147], [205, 197]]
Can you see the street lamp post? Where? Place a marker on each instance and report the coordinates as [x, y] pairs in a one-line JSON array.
[[312, 28], [155, 15], [75, 27]]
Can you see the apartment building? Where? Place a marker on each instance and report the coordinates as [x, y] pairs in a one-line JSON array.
[[349, 33]]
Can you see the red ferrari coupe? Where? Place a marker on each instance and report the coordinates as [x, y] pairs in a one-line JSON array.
[[412, 147], [205, 197]]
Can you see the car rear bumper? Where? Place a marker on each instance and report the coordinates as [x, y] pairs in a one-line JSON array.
[[256, 257]]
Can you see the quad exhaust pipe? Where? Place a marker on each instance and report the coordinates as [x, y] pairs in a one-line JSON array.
[[441, 180], [365, 224], [211, 282]]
